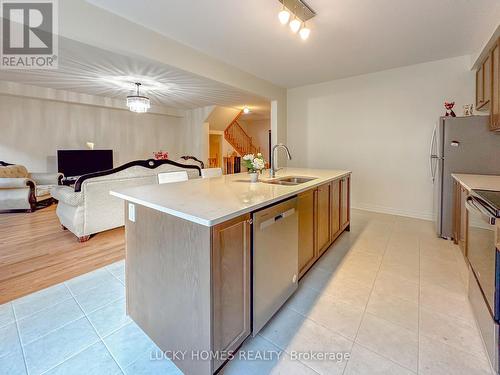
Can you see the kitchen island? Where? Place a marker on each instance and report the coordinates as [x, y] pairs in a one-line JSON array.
[[189, 255]]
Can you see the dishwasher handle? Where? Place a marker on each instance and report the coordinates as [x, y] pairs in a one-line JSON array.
[[271, 221]]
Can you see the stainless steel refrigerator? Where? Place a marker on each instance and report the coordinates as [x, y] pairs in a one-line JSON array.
[[459, 145]]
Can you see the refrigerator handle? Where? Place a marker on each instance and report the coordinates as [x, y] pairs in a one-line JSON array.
[[433, 157]]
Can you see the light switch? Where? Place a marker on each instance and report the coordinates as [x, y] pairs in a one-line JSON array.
[[131, 212]]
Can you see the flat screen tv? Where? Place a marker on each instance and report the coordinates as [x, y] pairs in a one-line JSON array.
[[74, 163]]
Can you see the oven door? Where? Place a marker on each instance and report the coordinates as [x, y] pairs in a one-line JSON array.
[[481, 252]]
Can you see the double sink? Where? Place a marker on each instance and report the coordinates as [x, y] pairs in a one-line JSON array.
[[289, 180]]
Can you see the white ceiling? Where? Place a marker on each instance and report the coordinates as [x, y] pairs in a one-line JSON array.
[[90, 70], [349, 37]]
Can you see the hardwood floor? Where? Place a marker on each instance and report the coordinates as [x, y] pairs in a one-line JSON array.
[[35, 252]]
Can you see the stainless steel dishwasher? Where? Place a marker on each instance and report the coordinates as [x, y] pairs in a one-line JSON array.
[[275, 259]]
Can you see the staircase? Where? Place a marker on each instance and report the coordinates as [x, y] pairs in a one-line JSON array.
[[239, 139]]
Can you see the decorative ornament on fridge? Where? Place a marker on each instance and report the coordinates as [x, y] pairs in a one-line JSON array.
[[449, 109]]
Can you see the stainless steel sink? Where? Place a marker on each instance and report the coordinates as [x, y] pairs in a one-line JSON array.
[[290, 180]]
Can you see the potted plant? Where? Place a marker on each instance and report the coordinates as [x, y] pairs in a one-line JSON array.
[[254, 164]]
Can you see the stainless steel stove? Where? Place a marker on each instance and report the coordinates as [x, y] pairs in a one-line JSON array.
[[483, 254]]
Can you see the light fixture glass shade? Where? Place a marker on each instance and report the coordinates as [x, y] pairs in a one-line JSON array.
[[305, 32], [138, 104], [284, 16], [295, 25]]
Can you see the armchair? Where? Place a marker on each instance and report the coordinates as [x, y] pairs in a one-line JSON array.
[[20, 190]]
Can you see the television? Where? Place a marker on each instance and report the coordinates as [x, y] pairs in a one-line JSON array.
[[74, 163]]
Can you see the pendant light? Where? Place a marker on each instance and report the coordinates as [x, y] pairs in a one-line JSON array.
[[138, 103], [304, 32], [284, 15], [295, 24]]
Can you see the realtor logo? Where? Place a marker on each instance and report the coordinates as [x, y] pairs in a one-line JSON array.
[[29, 34]]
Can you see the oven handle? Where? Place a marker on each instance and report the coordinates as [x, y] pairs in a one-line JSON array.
[[471, 205]]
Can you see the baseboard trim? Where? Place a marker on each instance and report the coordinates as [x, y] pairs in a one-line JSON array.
[[394, 211]]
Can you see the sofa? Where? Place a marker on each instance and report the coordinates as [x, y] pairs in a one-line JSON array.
[[24, 191], [88, 208]]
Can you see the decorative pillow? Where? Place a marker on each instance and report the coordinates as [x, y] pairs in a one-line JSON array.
[[13, 171]]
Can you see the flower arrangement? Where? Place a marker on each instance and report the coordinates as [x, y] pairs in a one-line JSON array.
[[253, 163], [161, 155]]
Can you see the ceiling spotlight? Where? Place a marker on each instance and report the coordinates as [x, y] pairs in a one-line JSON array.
[[138, 103], [295, 24], [246, 110], [284, 15], [305, 32]]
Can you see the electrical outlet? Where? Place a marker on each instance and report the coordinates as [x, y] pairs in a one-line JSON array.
[[131, 212]]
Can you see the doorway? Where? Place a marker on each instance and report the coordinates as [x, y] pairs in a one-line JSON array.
[[215, 150]]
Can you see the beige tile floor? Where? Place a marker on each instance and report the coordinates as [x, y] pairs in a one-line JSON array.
[[390, 294]]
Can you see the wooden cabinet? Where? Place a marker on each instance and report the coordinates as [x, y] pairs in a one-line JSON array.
[[345, 202], [323, 217], [324, 213], [480, 88], [462, 239], [488, 85], [483, 84], [460, 216], [230, 285], [307, 251], [456, 211], [335, 210], [495, 88]]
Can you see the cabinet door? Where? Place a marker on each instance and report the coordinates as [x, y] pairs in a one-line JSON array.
[[487, 80], [335, 209], [345, 201], [480, 87], [495, 93], [323, 218], [307, 254], [457, 190], [230, 284], [463, 221]]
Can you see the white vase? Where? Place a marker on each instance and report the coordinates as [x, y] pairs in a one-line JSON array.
[[254, 177]]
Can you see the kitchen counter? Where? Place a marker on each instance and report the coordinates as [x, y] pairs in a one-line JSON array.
[[476, 181], [215, 200], [206, 267]]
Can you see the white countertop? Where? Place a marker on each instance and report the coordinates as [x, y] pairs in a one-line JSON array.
[[478, 181], [214, 200]]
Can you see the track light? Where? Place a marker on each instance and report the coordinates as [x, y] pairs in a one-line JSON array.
[[295, 24], [304, 32], [295, 13], [284, 16]]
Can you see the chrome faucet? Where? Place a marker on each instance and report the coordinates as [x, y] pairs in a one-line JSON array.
[[274, 169]]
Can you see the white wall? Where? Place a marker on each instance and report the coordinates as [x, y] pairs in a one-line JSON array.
[[221, 117], [194, 135], [32, 130], [379, 126]]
